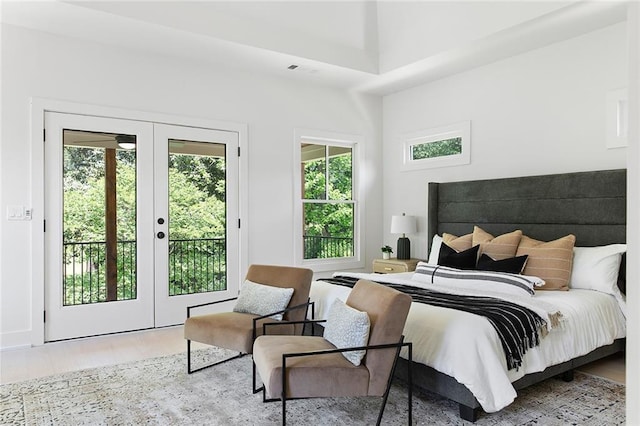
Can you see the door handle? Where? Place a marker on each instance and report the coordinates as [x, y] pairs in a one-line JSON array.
[[161, 235]]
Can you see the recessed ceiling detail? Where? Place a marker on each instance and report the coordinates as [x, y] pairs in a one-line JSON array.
[[369, 46]]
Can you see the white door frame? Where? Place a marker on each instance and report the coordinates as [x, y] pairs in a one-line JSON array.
[[38, 108]]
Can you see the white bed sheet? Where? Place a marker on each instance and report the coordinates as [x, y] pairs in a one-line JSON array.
[[466, 346]]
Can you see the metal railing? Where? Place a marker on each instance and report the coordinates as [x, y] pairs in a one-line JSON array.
[[319, 247], [84, 273], [195, 266]]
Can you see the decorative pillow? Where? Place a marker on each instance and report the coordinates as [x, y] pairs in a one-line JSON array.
[[596, 268], [458, 243], [260, 299], [501, 247], [495, 282], [461, 260], [550, 261], [512, 265], [347, 327], [434, 253]]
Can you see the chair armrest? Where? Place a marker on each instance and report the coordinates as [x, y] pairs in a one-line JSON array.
[[356, 348], [264, 325], [284, 311], [207, 304], [291, 308]]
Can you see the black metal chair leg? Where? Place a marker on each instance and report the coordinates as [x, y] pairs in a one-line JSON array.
[[410, 384], [261, 388], [190, 370], [284, 391]]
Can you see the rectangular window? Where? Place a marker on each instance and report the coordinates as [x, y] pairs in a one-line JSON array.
[[438, 147], [326, 221], [327, 173]]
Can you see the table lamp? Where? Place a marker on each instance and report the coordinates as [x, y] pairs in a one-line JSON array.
[[403, 225]]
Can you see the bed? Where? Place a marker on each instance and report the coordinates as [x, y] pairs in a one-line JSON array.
[[590, 205]]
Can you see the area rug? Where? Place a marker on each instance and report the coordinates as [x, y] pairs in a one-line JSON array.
[[159, 392]]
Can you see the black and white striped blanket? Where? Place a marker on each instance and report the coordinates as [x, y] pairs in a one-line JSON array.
[[517, 327]]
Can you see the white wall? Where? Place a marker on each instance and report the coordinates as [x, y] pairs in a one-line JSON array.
[[36, 64], [537, 113], [633, 219], [414, 30]]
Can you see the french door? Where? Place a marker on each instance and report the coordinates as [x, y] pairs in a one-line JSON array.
[[139, 223]]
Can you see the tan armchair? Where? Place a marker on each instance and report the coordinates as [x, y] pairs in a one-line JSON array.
[[316, 368], [236, 330]]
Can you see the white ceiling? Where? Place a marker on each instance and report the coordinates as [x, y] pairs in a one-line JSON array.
[[373, 46]]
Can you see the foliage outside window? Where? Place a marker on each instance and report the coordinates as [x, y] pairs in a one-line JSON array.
[[197, 226], [328, 207], [438, 147]]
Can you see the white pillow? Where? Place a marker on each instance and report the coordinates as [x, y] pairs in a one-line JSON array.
[[596, 268], [435, 250], [461, 279], [347, 328], [260, 299]]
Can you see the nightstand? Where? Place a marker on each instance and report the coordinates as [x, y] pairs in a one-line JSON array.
[[393, 265]]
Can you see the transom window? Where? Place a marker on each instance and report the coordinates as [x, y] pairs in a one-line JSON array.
[[438, 148], [443, 146]]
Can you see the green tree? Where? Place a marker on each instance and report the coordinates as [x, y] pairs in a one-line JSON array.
[[437, 149], [197, 212], [331, 218]]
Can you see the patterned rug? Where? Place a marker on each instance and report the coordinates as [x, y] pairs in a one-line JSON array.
[[159, 392]]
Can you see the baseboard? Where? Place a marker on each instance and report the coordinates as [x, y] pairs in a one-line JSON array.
[[15, 340]]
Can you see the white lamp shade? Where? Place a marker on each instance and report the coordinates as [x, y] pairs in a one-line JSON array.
[[403, 224]]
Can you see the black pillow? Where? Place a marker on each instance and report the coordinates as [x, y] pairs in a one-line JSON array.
[[513, 265], [460, 260]]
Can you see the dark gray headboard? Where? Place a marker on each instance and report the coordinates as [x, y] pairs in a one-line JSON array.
[[590, 205]]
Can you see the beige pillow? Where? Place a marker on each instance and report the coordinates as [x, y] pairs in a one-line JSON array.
[[458, 243], [498, 248], [550, 261]]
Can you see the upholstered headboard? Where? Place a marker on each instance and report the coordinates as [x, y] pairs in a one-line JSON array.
[[590, 205]]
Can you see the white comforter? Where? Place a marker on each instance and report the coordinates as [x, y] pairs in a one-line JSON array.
[[466, 346]]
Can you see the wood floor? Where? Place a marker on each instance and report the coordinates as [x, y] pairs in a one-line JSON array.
[[59, 357]]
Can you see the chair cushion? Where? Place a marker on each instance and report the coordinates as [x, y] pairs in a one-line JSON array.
[[230, 330], [326, 375], [347, 327], [260, 299]]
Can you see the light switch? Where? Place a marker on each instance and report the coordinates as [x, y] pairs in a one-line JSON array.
[[15, 213]]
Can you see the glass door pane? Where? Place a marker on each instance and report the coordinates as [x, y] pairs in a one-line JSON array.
[[99, 218], [197, 219]]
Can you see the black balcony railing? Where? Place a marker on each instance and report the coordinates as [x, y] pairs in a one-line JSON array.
[[195, 266], [319, 247], [84, 274]]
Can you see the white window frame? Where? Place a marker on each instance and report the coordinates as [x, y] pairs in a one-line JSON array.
[[617, 105], [334, 139], [457, 130]]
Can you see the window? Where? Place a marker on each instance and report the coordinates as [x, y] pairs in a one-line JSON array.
[[327, 212], [438, 147]]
